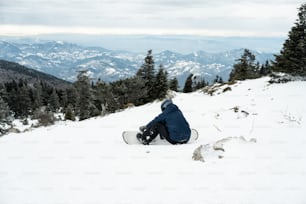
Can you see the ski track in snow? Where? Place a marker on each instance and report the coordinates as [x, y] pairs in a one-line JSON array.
[[88, 163]]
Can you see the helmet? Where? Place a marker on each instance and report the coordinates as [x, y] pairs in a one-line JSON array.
[[165, 104]]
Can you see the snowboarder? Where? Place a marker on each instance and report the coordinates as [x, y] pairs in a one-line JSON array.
[[170, 125]]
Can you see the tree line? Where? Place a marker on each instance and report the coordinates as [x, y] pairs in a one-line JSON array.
[[84, 98]]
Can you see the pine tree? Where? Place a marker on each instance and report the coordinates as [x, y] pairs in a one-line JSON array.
[[218, 79], [265, 69], [85, 105], [173, 84], [4, 107], [104, 98], [292, 57], [72, 97], [245, 68], [36, 96], [69, 113], [200, 83], [188, 87], [93, 110], [99, 95], [53, 103], [23, 101], [3, 92], [107, 97], [63, 98], [147, 73], [4, 111], [136, 91], [161, 83], [120, 89]]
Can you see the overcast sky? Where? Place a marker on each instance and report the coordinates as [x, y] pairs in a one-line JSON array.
[[193, 17]]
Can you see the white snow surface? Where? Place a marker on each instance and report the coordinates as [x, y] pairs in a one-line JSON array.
[[88, 163]]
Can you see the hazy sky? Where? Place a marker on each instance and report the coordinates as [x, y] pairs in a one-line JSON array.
[[198, 17]]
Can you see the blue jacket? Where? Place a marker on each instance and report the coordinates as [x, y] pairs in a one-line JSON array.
[[175, 122]]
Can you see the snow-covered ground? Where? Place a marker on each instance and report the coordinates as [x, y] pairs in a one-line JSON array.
[[88, 163]]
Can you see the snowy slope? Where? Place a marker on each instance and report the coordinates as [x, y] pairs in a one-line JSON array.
[[87, 162]]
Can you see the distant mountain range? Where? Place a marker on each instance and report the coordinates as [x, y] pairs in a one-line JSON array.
[[63, 60]]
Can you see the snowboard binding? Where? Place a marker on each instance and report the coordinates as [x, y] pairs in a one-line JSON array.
[[142, 139], [145, 136]]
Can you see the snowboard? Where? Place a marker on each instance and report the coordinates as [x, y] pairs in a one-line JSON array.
[[129, 137]]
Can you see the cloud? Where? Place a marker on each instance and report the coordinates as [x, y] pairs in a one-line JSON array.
[[261, 16]]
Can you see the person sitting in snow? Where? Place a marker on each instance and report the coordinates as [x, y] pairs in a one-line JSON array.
[[170, 125]]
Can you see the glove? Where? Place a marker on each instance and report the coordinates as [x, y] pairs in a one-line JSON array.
[[142, 128]]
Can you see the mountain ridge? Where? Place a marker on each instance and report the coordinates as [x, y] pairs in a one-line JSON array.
[[63, 60], [13, 71]]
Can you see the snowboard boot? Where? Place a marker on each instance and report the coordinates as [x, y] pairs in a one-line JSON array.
[[146, 137], [142, 128], [139, 137], [142, 139]]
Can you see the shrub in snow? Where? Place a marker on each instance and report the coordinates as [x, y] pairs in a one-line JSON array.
[[44, 117], [217, 88], [13, 130], [278, 78], [227, 89], [25, 122], [3, 130], [69, 113]]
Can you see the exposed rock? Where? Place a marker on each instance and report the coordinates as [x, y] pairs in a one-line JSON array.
[[217, 149]]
